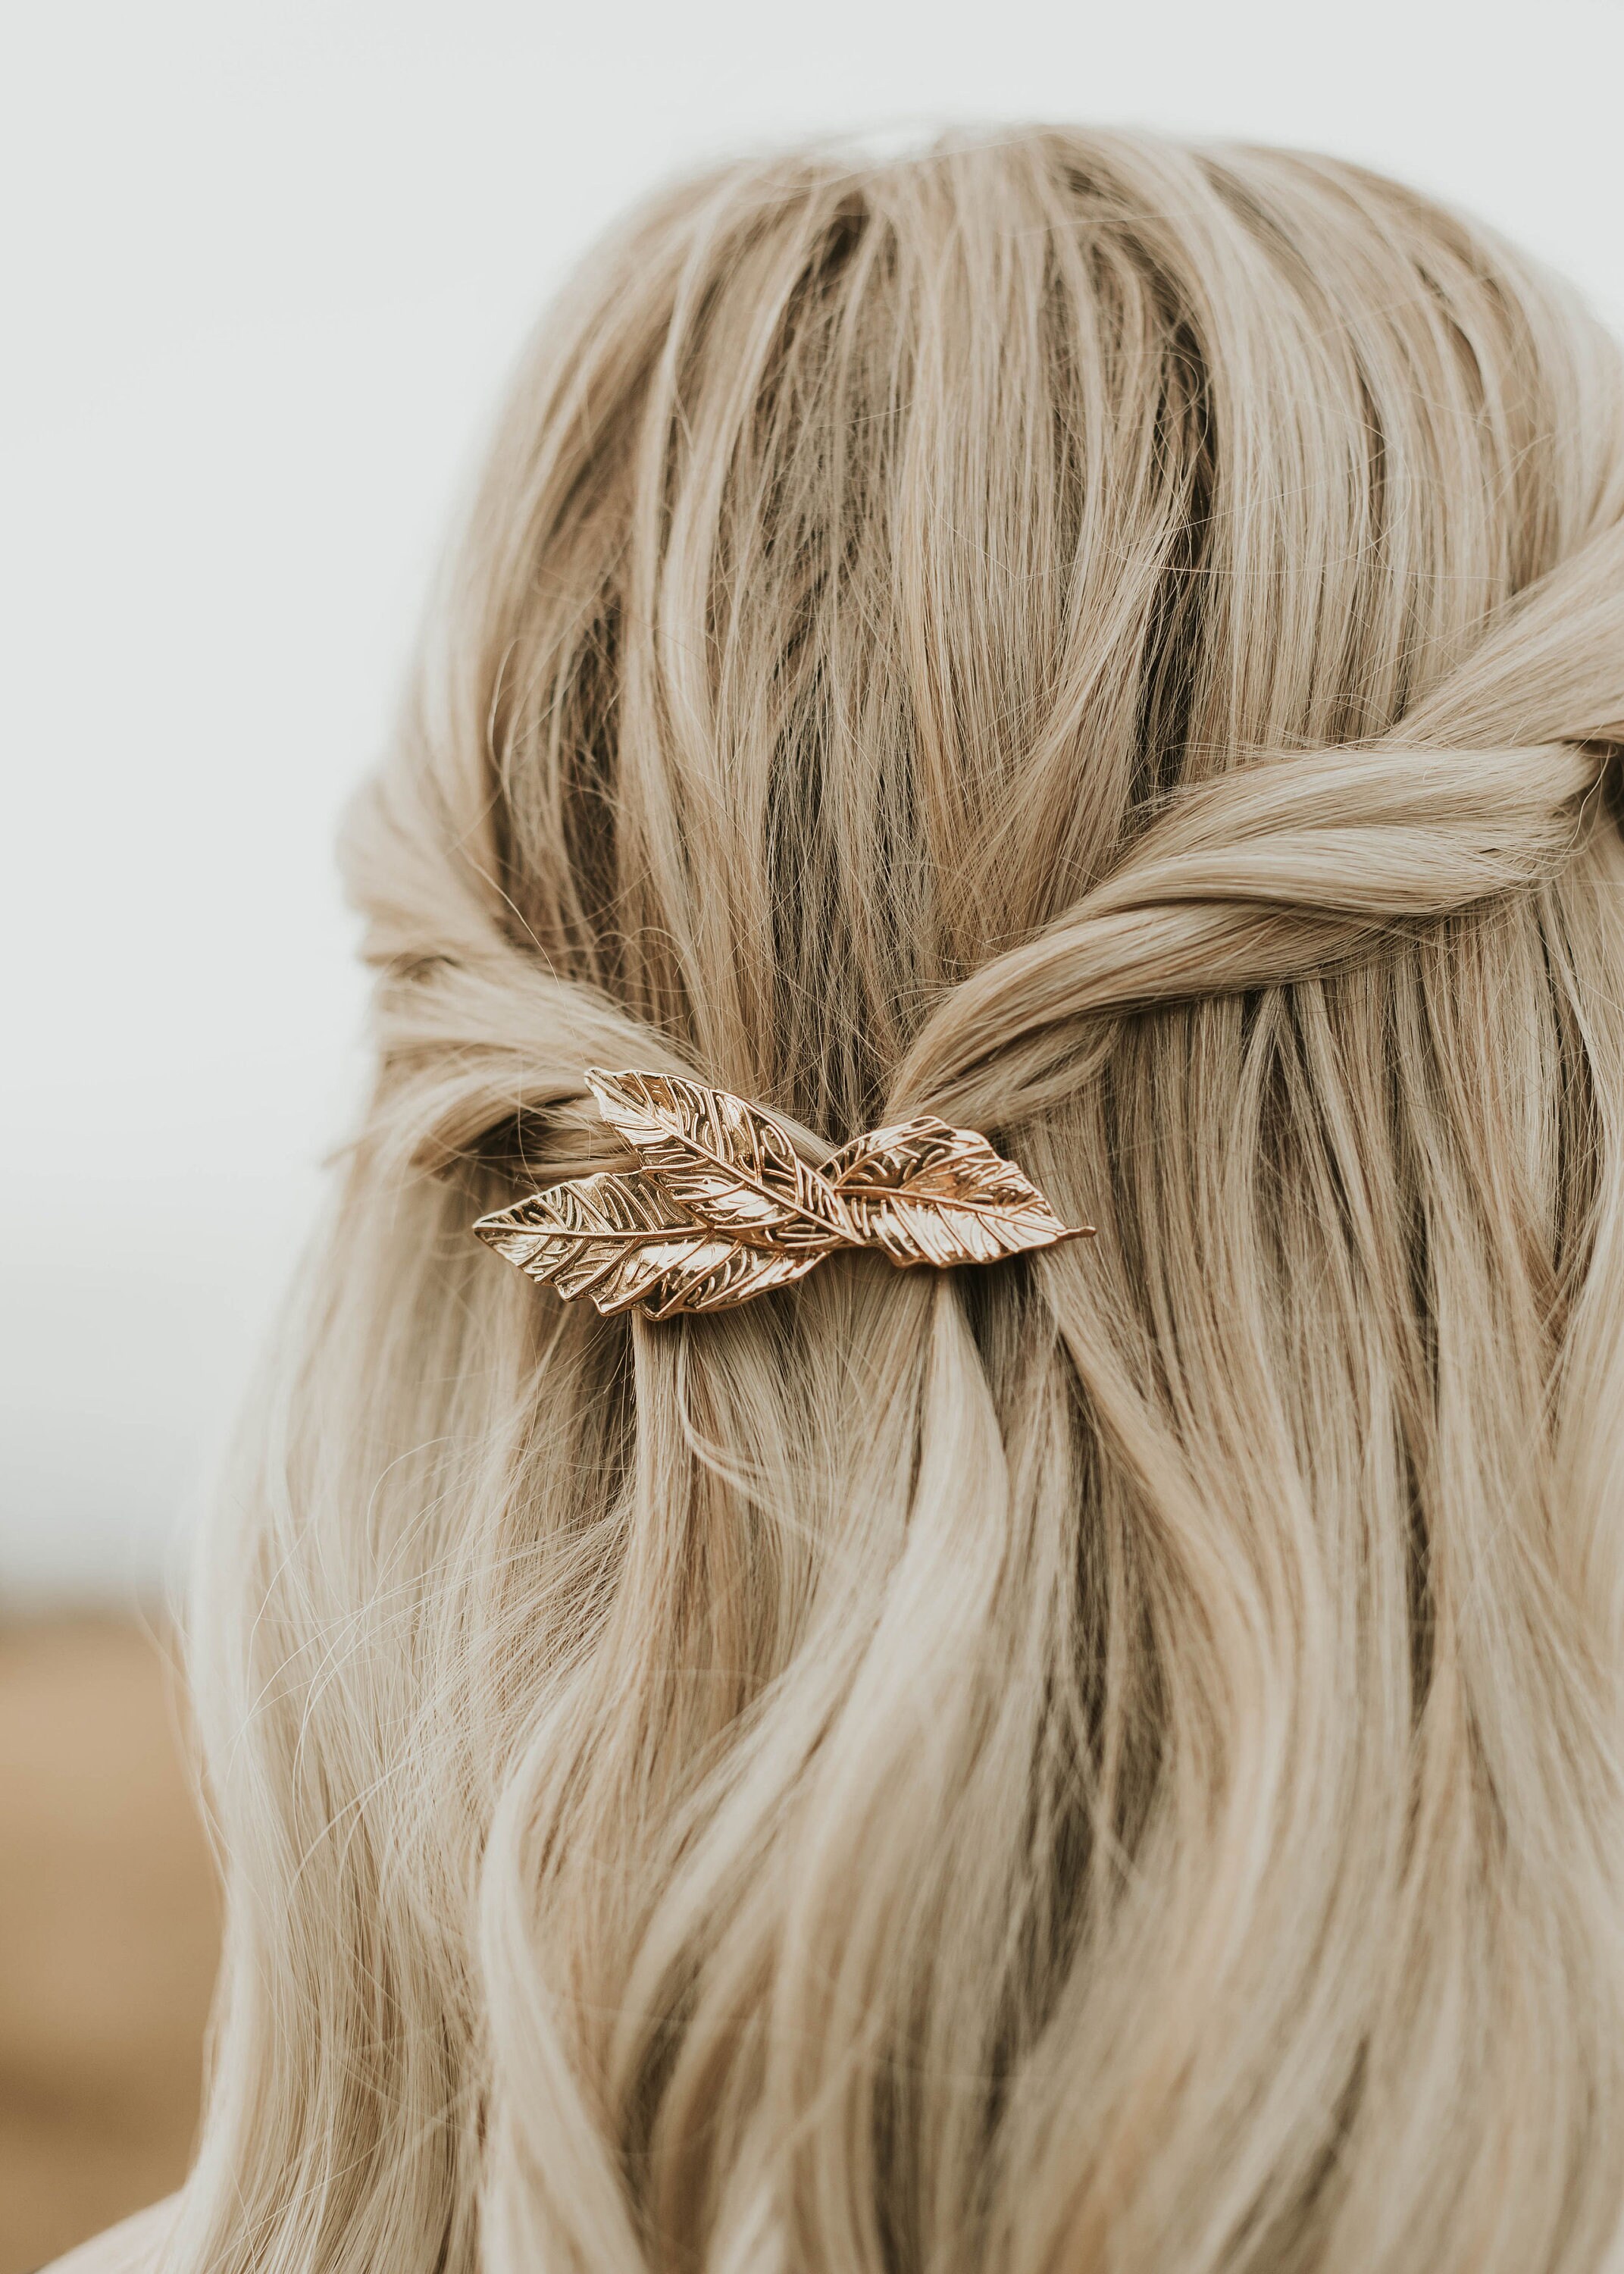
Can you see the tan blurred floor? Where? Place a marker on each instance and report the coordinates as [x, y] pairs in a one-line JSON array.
[[107, 1933]]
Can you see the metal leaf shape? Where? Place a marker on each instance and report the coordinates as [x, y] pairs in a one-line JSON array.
[[623, 1241], [727, 1162], [929, 1194], [720, 1207]]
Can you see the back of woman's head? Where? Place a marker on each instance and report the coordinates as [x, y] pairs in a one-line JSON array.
[[1108, 1761]]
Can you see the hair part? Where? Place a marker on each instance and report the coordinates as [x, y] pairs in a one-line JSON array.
[[1109, 1761]]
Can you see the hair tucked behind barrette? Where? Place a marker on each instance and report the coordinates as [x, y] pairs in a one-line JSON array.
[[1286, 868], [1110, 1759]]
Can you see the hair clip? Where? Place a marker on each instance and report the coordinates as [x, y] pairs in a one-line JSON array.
[[717, 1206]]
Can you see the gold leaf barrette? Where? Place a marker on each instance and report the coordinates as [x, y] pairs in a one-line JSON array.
[[719, 1206]]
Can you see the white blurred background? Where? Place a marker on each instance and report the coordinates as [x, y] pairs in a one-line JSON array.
[[266, 264]]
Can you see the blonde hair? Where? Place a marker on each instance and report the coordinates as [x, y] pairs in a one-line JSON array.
[[1107, 1762]]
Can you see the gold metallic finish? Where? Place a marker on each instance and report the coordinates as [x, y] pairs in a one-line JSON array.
[[716, 1206]]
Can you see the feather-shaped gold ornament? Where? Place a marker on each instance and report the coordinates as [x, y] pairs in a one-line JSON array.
[[623, 1241], [716, 1206], [726, 1162], [929, 1194]]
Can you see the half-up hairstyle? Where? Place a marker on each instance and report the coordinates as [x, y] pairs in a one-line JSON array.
[[1107, 1762]]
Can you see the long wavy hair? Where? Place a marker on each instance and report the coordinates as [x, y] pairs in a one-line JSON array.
[[1112, 1761]]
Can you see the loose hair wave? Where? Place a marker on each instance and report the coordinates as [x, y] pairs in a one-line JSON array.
[[1107, 1762]]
